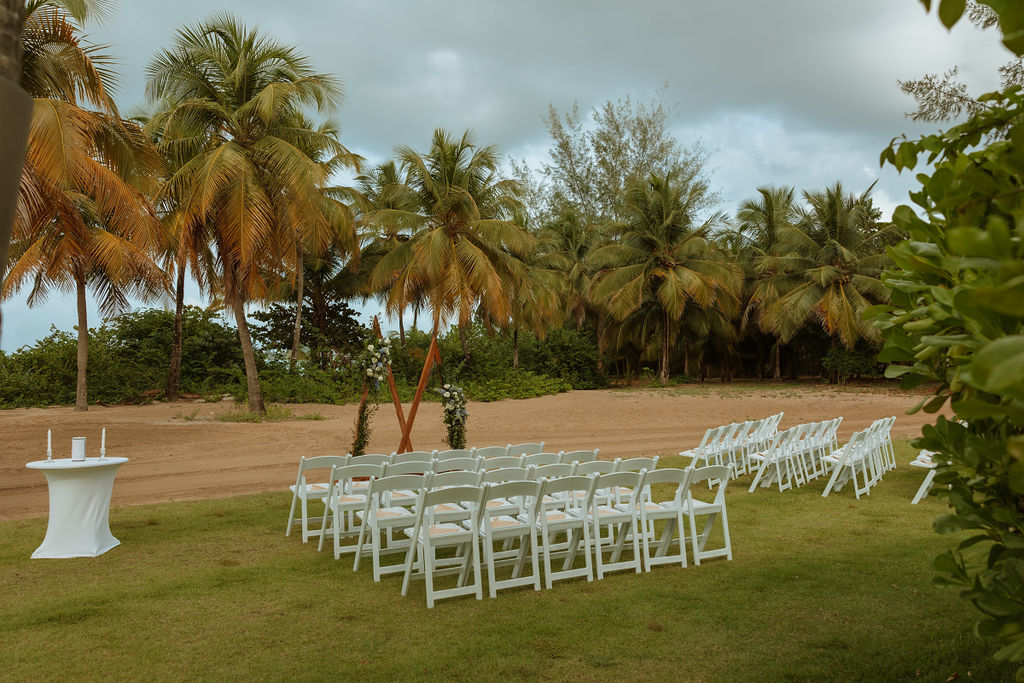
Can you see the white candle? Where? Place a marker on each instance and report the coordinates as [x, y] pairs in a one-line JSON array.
[[103, 439], [49, 442]]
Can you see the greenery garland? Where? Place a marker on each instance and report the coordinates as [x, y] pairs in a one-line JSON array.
[[374, 363], [455, 414]]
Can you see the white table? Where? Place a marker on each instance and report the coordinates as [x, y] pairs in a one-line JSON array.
[[79, 524]]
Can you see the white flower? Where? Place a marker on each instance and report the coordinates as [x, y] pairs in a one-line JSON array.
[[447, 394], [369, 372], [370, 348]]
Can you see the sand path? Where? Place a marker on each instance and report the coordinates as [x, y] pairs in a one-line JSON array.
[[173, 458]]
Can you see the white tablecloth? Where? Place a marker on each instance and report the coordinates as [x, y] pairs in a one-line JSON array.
[[80, 491]]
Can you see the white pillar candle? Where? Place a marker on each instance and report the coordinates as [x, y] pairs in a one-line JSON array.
[[49, 442], [103, 438]]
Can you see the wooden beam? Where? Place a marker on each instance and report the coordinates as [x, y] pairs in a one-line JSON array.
[[433, 356]]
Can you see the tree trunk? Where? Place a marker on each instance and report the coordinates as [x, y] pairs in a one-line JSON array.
[[81, 392], [401, 327], [464, 341], [778, 360], [415, 315], [663, 371], [515, 347], [297, 332], [174, 374], [600, 341], [686, 354], [14, 118], [252, 379]]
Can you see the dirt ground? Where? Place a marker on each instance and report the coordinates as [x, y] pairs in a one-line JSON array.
[[178, 451]]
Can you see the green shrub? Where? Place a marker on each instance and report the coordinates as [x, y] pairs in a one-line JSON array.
[[957, 319]]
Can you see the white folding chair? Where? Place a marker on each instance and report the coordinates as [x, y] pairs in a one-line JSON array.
[[508, 506], [536, 459], [342, 502], [491, 451], [496, 526], [303, 490], [846, 463], [412, 456], [430, 533], [469, 464], [707, 445], [525, 448], [572, 522], [454, 453], [621, 520], [578, 456], [501, 461], [621, 493], [381, 515], [370, 459], [712, 509], [670, 510]]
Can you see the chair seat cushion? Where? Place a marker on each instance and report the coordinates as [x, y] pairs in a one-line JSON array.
[[311, 489]]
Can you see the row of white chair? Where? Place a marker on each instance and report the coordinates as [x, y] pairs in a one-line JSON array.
[[348, 487], [863, 459], [733, 443], [516, 525], [795, 456]]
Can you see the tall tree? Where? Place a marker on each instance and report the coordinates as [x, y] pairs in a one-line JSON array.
[[663, 260], [826, 268], [760, 221], [465, 248], [81, 220], [247, 178]]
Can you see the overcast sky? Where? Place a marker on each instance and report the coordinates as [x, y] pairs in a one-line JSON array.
[[797, 92]]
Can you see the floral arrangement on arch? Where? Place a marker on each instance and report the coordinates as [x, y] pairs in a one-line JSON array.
[[374, 362], [453, 399]]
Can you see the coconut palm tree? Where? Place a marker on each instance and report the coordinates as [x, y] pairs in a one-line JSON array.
[[760, 222], [82, 220], [465, 247], [235, 98], [826, 267], [388, 208], [663, 260]]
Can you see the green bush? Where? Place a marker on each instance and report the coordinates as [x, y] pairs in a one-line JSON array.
[[843, 364], [957, 319]]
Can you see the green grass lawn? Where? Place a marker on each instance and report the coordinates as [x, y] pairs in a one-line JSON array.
[[824, 589]]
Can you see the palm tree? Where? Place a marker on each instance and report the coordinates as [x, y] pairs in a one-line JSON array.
[[827, 266], [388, 208], [81, 220], [760, 222], [663, 261], [235, 100], [465, 246]]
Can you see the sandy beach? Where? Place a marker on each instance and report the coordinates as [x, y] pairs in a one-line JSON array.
[[179, 451]]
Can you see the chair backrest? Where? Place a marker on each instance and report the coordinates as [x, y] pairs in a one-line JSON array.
[[525, 448], [455, 478], [579, 456], [637, 464], [574, 483], [717, 477], [491, 451], [558, 469], [451, 464], [317, 462], [680, 478], [370, 459], [616, 480], [597, 467], [526, 492], [413, 456], [410, 467], [502, 461], [540, 459], [345, 473], [429, 500], [454, 453], [507, 474], [401, 482]]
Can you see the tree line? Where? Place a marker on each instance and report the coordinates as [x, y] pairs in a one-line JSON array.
[[227, 176]]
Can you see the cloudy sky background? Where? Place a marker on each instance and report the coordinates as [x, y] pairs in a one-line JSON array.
[[800, 93]]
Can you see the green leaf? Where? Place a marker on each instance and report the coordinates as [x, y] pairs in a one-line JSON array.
[[947, 524], [950, 11], [894, 371], [998, 368]]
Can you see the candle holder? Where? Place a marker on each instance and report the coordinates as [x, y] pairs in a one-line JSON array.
[[49, 454], [103, 453]]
